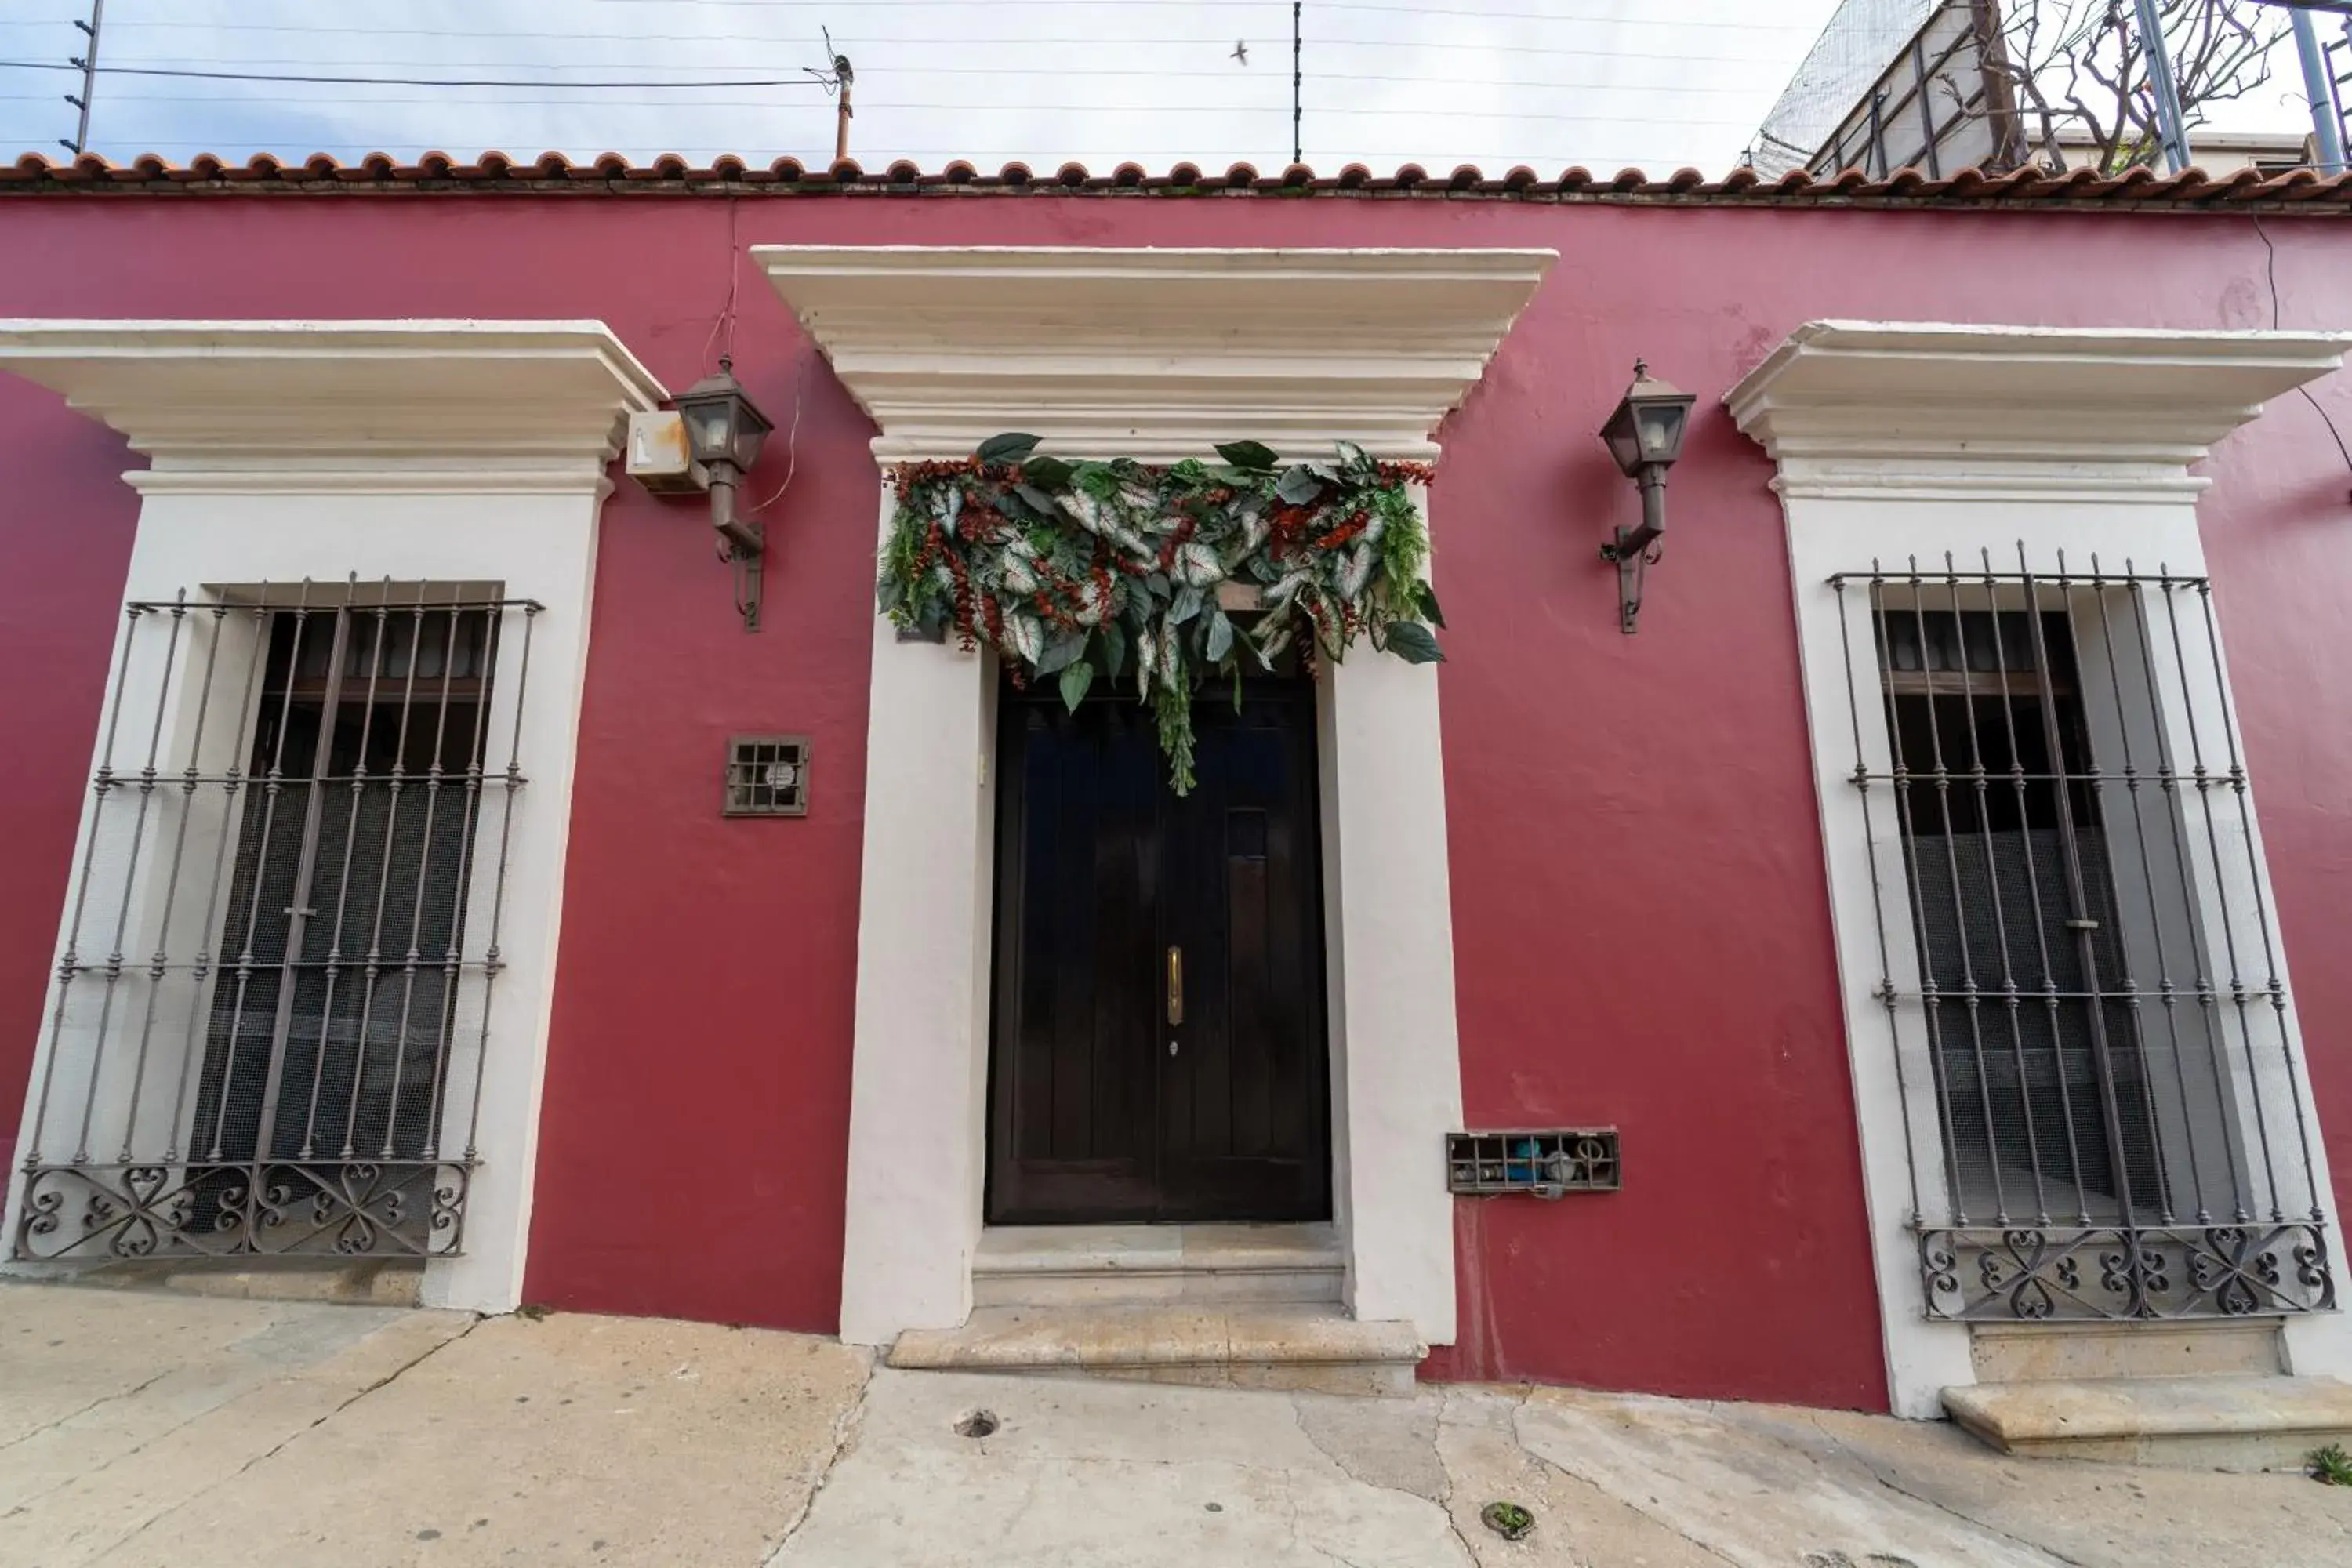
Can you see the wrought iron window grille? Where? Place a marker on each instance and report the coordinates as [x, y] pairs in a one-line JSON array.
[[272, 1004], [767, 775], [1546, 1165], [2077, 956]]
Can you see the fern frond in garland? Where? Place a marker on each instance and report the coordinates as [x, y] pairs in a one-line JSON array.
[[1109, 572]]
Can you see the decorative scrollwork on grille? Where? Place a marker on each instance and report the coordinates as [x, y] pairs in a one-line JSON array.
[[2110, 1274], [366, 1209]]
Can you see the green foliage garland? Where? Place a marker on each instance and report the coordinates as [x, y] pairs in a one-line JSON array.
[[1104, 570]]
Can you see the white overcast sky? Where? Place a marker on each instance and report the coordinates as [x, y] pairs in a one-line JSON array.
[[1658, 83]]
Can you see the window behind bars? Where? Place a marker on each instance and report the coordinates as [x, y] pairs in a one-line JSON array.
[[267, 1021], [2079, 959]]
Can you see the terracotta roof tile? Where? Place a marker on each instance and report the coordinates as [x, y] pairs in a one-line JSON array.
[[2299, 191]]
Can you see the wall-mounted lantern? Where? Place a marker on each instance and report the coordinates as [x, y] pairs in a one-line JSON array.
[[724, 432], [1645, 436]]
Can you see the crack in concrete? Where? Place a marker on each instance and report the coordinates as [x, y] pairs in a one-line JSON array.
[[846, 1427], [291, 1438], [1871, 1467], [1444, 1501], [1519, 1439], [78, 1415]]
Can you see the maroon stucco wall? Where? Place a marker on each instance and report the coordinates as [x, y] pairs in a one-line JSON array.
[[1641, 931]]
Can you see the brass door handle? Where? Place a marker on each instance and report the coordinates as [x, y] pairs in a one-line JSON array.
[[1175, 986]]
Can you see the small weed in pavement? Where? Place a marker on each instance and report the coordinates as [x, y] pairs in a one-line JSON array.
[[2331, 1466], [1507, 1519]]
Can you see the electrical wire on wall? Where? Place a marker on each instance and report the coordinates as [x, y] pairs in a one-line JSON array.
[[2269, 276]]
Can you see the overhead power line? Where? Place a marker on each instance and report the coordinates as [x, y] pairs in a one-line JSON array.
[[413, 81], [1464, 13], [1097, 42], [1552, 85]]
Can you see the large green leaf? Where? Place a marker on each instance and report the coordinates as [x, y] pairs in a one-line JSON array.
[[1046, 471], [1415, 643], [1299, 485], [888, 594], [1009, 447], [1253, 456], [1114, 643], [1187, 605], [1062, 652], [1221, 635], [1044, 505], [1076, 679], [1428, 597]]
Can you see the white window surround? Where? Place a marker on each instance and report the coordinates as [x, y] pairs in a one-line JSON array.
[[424, 451], [1155, 354], [1901, 439]]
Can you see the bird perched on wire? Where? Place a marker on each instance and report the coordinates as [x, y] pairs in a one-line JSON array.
[[1241, 51]]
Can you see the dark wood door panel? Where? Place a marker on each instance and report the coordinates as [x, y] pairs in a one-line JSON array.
[[1102, 1107]]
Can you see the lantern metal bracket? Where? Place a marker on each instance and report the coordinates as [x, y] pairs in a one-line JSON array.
[[1635, 549], [1634, 556], [744, 546]]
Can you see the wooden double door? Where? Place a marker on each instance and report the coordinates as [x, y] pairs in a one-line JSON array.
[[1159, 1046]]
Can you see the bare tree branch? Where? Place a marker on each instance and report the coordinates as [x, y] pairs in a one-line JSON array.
[[2079, 67]]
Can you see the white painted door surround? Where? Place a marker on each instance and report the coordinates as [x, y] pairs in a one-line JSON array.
[[1154, 355], [1897, 440], [431, 453]]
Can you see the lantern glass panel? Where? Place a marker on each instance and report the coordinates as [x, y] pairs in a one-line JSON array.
[[710, 430], [751, 431], [1624, 446], [1660, 431]]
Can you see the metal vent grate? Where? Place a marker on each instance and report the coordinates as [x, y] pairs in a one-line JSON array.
[[767, 775], [1546, 1164]]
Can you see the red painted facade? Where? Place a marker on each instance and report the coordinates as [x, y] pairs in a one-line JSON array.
[[1641, 925]]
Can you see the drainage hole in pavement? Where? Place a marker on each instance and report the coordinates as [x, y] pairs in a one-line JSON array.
[[979, 1424]]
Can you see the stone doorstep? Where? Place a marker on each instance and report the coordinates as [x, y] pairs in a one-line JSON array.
[[2225, 1422], [1273, 1346], [1140, 1264]]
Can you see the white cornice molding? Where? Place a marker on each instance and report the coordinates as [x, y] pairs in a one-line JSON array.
[[1154, 353], [1945, 411], [408, 406]]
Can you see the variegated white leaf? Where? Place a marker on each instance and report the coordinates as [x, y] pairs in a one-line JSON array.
[[1146, 660], [1025, 636], [1196, 563], [1095, 605]]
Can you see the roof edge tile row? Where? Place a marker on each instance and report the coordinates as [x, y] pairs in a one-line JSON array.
[[2192, 189]]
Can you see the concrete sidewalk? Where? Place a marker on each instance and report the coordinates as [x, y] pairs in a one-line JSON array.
[[147, 1429]]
